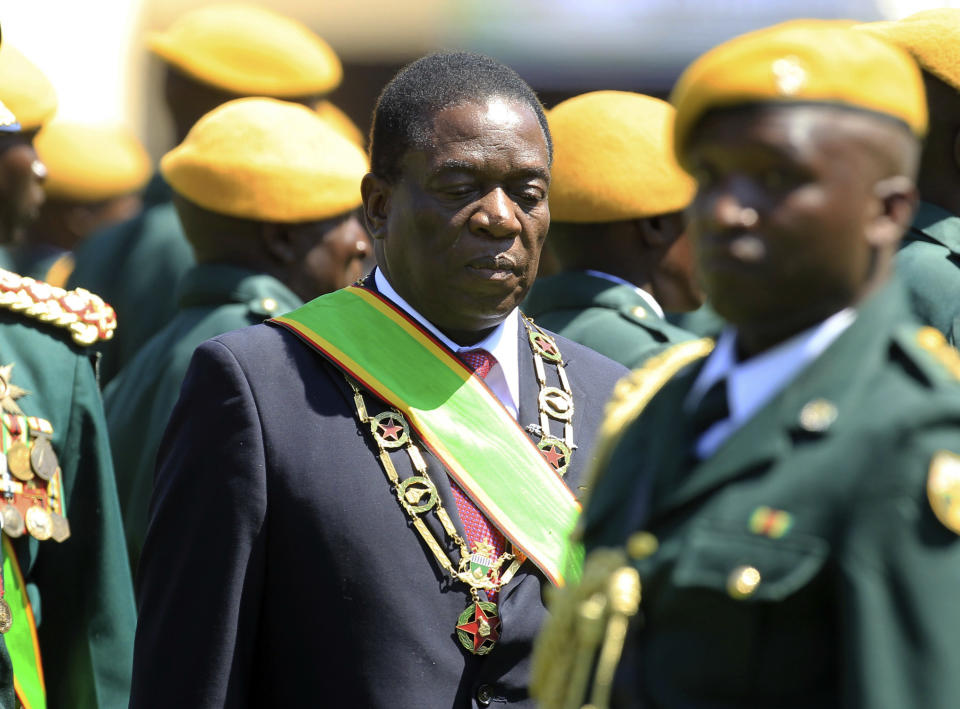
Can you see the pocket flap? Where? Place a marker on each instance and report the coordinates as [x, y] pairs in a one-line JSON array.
[[714, 559]]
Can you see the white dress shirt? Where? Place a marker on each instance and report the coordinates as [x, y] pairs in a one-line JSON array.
[[650, 300], [504, 377], [753, 383]]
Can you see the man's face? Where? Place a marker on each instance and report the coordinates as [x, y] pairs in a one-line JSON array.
[[21, 182], [459, 232], [779, 223], [329, 256]]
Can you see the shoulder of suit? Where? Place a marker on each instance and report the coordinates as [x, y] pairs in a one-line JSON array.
[[934, 359], [84, 315]]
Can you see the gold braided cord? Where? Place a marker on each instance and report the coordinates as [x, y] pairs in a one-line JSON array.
[[632, 394]]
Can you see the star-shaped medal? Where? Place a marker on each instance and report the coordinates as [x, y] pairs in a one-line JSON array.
[[391, 431], [10, 392], [479, 627]]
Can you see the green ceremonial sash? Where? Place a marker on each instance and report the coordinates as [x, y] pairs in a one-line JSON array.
[[455, 415], [21, 640]]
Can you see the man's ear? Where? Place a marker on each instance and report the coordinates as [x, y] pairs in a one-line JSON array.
[[375, 192], [651, 232], [278, 242], [898, 198]]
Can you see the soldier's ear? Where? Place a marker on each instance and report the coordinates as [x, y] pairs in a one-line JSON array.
[[898, 200], [278, 242], [375, 192]]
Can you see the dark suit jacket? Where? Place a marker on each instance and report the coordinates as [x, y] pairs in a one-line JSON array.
[[279, 568]]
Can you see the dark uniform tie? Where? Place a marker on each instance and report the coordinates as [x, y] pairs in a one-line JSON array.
[[713, 407]]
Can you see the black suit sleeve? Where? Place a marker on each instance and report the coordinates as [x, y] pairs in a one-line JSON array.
[[199, 610]]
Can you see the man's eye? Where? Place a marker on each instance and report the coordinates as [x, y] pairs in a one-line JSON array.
[[531, 195]]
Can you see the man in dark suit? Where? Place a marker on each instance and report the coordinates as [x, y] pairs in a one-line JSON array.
[[306, 544], [789, 503]]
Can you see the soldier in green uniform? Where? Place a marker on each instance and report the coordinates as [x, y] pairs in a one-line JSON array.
[[929, 257], [137, 264], [67, 614], [781, 518], [617, 229], [267, 194]]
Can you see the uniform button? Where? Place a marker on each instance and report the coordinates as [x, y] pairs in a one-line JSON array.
[[640, 545], [268, 304], [743, 581], [638, 312], [484, 694], [818, 415]]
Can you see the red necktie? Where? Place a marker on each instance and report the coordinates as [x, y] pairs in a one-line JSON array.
[[475, 524]]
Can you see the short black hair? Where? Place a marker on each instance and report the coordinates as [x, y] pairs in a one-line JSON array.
[[401, 118]]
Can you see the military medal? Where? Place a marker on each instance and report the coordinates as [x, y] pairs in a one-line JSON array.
[[60, 527], [18, 461], [13, 525], [39, 523], [6, 617], [478, 627], [42, 458]]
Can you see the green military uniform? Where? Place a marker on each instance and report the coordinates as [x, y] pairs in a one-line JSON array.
[[608, 317], [214, 299], [703, 322], [135, 266], [929, 264], [33, 260], [80, 589], [814, 559]]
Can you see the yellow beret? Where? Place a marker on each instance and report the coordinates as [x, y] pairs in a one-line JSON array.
[[340, 122], [24, 89], [90, 163], [249, 50], [801, 61], [613, 159], [267, 160], [931, 37]]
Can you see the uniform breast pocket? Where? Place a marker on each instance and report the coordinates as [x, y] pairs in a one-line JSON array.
[[748, 567]]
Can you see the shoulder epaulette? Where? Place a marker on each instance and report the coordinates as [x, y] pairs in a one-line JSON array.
[[82, 313], [930, 351]]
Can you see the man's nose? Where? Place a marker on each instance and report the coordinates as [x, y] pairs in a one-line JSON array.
[[496, 215]]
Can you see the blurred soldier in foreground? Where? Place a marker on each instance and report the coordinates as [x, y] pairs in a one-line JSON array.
[[94, 178], [617, 228], [344, 513], [929, 258], [67, 613], [213, 55], [789, 504], [267, 194]]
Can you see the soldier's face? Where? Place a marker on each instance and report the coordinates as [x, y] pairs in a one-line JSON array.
[[786, 199], [330, 255], [463, 225], [21, 182]]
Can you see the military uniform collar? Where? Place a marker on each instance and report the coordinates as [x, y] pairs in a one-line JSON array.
[[212, 284], [819, 400], [579, 289], [937, 224], [504, 378], [157, 192], [752, 383], [646, 297]]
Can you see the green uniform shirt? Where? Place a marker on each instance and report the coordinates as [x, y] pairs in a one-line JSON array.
[[33, 260], [135, 266], [80, 589], [823, 492], [214, 299], [605, 316], [929, 264]]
